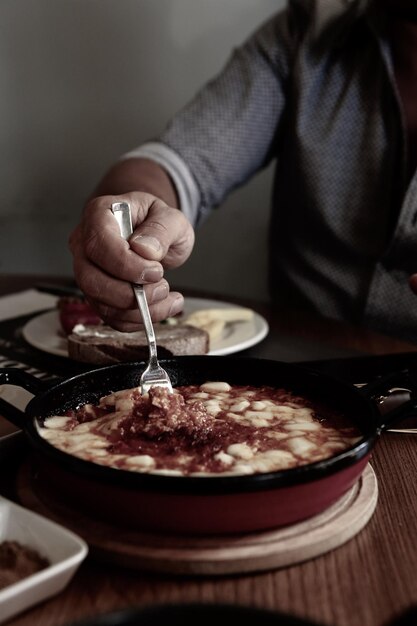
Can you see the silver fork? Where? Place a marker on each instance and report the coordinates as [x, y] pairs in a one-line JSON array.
[[154, 375]]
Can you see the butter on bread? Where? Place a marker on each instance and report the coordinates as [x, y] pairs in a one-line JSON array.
[[102, 345]]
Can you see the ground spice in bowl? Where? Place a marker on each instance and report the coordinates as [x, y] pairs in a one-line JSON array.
[[18, 561]]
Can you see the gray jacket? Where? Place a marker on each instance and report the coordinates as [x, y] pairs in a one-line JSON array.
[[313, 89]]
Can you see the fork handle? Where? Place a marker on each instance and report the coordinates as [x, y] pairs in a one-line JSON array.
[[121, 211], [146, 318]]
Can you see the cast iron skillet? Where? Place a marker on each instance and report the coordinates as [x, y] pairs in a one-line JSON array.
[[203, 505]]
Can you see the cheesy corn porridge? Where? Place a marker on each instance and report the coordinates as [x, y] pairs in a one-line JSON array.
[[209, 429]]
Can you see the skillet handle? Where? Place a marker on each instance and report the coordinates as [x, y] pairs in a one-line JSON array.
[[399, 390], [18, 378]]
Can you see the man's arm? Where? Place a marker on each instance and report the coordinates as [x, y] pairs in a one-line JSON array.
[[133, 174]]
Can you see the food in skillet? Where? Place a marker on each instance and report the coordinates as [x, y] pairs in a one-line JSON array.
[[203, 430]]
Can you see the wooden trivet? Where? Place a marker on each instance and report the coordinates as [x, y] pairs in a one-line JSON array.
[[214, 555]]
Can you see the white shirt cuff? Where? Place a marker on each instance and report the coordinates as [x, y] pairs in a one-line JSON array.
[[187, 190]]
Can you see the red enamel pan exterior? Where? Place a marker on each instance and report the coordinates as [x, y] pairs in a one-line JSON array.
[[202, 505]]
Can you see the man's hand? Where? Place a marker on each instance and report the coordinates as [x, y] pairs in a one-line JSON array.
[[105, 264]]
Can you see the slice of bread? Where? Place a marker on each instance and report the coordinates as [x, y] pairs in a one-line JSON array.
[[102, 345]]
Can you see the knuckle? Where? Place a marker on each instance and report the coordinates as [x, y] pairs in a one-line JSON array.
[[93, 243], [116, 324], [96, 205], [87, 284], [144, 202], [189, 234], [105, 311], [158, 226]]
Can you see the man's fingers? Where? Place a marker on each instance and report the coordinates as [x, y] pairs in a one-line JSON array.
[[104, 289], [114, 299], [165, 235], [128, 321]]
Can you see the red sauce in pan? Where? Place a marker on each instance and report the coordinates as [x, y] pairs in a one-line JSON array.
[[212, 428]]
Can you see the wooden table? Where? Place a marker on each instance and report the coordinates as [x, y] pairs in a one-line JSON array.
[[367, 582]]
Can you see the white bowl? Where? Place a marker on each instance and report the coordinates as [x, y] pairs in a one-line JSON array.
[[63, 549]]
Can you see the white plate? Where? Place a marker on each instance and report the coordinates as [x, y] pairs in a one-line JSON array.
[[44, 331], [63, 549]]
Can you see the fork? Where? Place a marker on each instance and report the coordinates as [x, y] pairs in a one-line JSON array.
[[154, 375]]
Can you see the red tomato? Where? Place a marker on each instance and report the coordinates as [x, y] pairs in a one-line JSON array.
[[73, 311]]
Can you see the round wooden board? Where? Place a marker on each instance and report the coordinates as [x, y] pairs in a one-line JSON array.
[[214, 555]]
